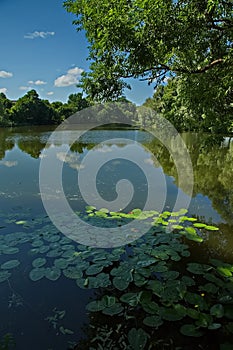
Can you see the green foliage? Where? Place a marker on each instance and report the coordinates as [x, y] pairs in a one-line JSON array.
[[141, 283], [154, 40], [31, 110]]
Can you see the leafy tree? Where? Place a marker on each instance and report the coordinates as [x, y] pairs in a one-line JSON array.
[[153, 40], [5, 106], [30, 109], [77, 102]]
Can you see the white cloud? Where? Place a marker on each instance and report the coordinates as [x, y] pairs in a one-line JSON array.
[[50, 93], [9, 163], [25, 88], [37, 82], [37, 34], [4, 74], [70, 78], [4, 90]]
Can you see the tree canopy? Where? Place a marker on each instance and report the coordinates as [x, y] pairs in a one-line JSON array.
[[32, 110], [153, 40]]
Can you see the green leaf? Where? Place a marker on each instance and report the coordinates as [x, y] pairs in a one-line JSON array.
[[61, 263], [94, 269], [198, 269], [108, 300], [10, 250], [137, 338], [190, 330], [214, 326], [120, 283], [90, 207], [52, 273], [11, 264], [199, 225], [72, 272], [96, 305], [217, 310], [153, 321], [173, 314], [130, 298], [4, 275], [36, 274], [113, 310], [39, 262], [211, 228], [224, 271]]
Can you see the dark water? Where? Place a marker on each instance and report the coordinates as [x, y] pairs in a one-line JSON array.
[[26, 304]]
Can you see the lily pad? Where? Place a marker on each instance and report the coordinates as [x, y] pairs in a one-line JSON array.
[[39, 262], [4, 275], [37, 274], [190, 330], [52, 273], [61, 263], [211, 228], [137, 338], [113, 310], [153, 321], [120, 283], [96, 305], [10, 250], [94, 269], [73, 272], [217, 310], [11, 264]]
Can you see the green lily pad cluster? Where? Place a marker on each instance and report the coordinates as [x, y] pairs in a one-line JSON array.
[[152, 279]]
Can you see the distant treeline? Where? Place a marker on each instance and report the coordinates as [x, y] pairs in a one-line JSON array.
[[31, 110]]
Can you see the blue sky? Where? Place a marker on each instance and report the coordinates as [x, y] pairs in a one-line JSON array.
[[41, 50]]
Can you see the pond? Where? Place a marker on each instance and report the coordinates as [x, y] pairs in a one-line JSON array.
[[44, 290]]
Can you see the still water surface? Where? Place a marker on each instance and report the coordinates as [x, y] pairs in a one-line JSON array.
[[37, 312]]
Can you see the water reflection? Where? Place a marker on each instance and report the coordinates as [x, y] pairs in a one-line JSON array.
[[212, 160], [21, 150]]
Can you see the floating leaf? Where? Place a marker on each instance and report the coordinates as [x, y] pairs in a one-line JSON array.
[[39, 262], [113, 310], [211, 228], [90, 207], [198, 269], [61, 263], [36, 274], [101, 280], [72, 272], [120, 283], [21, 222], [94, 269], [11, 264], [44, 249], [4, 275], [130, 298], [10, 250], [199, 225], [153, 321], [173, 314], [224, 271], [96, 305], [190, 330], [52, 273], [108, 300], [177, 227], [214, 326], [137, 338], [217, 310]]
